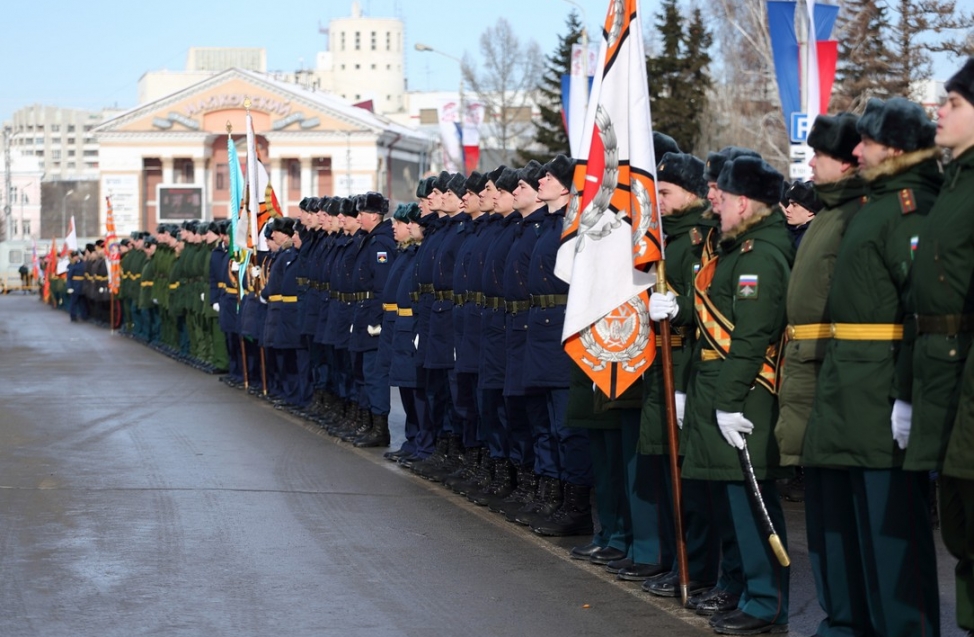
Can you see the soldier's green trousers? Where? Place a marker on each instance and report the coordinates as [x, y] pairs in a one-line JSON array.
[[957, 529], [650, 508], [609, 484], [219, 357], [766, 589], [897, 562]]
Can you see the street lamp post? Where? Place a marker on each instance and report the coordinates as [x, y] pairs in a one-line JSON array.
[[84, 215], [462, 115], [64, 205]]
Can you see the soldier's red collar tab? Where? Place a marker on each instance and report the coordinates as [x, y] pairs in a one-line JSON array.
[[908, 202]]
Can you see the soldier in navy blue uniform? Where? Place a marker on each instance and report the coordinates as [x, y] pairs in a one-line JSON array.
[[546, 366], [228, 271], [373, 260], [333, 408], [395, 360], [76, 280], [407, 346], [340, 312], [528, 419], [270, 300], [309, 298], [436, 386], [466, 333], [505, 221]]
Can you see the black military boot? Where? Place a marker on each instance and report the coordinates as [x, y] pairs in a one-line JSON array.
[[454, 458], [480, 477], [574, 517], [435, 459], [527, 485], [364, 425], [469, 464], [378, 436], [547, 501], [345, 419], [501, 485]]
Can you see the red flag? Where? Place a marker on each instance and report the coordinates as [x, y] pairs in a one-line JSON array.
[[112, 251], [49, 270], [612, 231]]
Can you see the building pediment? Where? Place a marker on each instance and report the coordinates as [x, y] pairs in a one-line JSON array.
[[208, 106]]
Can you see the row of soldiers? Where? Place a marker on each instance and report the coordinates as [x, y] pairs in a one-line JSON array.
[[848, 357]]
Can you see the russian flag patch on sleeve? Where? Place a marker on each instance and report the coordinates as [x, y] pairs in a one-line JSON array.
[[747, 286], [381, 257]]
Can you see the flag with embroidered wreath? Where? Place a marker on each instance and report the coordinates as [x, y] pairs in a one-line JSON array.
[[612, 232]]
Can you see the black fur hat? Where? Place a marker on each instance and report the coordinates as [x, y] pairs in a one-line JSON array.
[[372, 202], [442, 181], [835, 135], [683, 170], [148, 241], [716, 161], [476, 182], [224, 226], [457, 185], [124, 241], [89, 247], [310, 204], [286, 225], [561, 168], [803, 194], [303, 204], [332, 206], [496, 173], [213, 227], [531, 174], [406, 212], [346, 207], [423, 188], [751, 177], [662, 144], [507, 180], [897, 123], [962, 81]]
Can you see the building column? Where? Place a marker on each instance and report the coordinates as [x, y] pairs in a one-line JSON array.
[[276, 177], [309, 185], [168, 170]]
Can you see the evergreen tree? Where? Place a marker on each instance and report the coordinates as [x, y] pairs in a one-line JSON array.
[[550, 133], [678, 75], [865, 67]]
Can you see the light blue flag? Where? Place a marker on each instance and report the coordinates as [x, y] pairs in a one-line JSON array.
[[236, 193]]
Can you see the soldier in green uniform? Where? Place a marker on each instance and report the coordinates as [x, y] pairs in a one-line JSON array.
[[852, 434], [740, 307], [147, 309], [164, 258], [682, 190], [943, 297], [835, 174]]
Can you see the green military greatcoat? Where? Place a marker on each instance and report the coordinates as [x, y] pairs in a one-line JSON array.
[[860, 379], [942, 286], [748, 288], [808, 289], [685, 233]]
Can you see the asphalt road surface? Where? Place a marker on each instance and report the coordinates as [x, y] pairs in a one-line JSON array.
[[141, 497]]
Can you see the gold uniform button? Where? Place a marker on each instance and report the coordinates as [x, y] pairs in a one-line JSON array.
[[952, 352]]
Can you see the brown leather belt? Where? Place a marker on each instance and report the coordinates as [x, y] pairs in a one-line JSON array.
[[947, 324]]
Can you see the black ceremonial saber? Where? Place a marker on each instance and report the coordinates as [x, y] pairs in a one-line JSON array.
[[759, 508]]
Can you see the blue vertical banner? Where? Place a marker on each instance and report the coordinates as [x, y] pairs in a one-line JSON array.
[[784, 50], [825, 15]]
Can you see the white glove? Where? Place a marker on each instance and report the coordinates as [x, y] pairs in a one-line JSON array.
[[203, 296], [255, 272], [262, 299], [155, 301], [663, 306], [70, 291], [416, 341], [374, 330], [681, 406], [101, 290], [216, 307], [732, 426], [900, 420], [351, 329], [234, 266]]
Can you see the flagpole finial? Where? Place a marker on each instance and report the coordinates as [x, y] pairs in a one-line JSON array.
[[229, 128], [247, 103]]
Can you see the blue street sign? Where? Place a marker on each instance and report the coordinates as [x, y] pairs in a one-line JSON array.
[[799, 127]]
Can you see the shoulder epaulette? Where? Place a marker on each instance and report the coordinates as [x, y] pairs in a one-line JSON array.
[[747, 246], [907, 202], [696, 238]]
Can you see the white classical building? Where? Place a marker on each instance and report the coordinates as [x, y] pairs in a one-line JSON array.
[[313, 144]]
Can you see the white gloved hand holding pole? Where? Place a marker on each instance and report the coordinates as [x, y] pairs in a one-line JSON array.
[[733, 426], [900, 422], [680, 399], [663, 306]]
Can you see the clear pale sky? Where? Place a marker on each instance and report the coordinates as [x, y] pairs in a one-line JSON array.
[[91, 54]]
